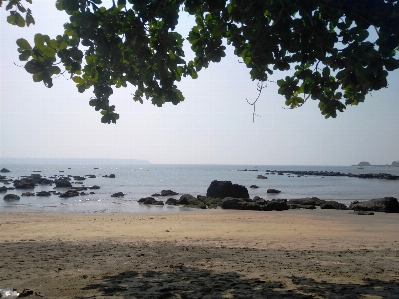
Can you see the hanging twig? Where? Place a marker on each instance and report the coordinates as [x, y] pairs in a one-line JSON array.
[[259, 89]]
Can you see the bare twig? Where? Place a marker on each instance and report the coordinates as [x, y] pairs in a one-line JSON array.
[[259, 89]]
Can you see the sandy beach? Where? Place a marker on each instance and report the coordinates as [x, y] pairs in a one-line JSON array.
[[201, 254]]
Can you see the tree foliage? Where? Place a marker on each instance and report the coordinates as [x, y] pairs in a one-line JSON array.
[[327, 45]]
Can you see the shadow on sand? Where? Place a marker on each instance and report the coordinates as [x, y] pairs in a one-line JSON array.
[[190, 283]]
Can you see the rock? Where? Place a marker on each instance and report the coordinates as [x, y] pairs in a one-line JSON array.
[[43, 193], [11, 197], [3, 189], [254, 187], [364, 213], [118, 194], [79, 178], [62, 183], [171, 201], [223, 189], [69, 193], [262, 177], [191, 202], [213, 203], [307, 201], [91, 176], [25, 183], [4, 170], [275, 205], [156, 194], [330, 204], [94, 187], [168, 193], [28, 194], [275, 191], [386, 204], [150, 201], [112, 176]]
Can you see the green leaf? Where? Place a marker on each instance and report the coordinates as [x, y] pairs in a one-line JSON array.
[[78, 80], [54, 70], [23, 44], [25, 55], [39, 40]]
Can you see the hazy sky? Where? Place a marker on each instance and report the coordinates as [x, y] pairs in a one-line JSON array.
[[212, 126]]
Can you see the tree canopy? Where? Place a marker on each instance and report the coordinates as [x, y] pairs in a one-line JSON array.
[[325, 45]]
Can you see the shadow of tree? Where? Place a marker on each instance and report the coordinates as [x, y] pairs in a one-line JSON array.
[[190, 282]]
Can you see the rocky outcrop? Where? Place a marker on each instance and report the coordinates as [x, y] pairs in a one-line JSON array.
[[118, 194], [62, 183], [257, 204], [25, 183], [69, 193], [151, 201], [112, 176], [275, 191], [254, 187], [11, 197], [191, 202], [171, 201], [223, 189], [43, 193], [3, 189], [262, 177], [386, 204], [28, 194], [4, 170], [330, 204]]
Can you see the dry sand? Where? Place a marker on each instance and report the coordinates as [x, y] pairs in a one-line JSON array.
[[201, 254]]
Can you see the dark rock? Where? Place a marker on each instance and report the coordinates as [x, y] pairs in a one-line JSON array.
[[118, 194], [254, 187], [43, 193], [213, 203], [28, 194], [62, 183], [262, 177], [275, 205], [4, 170], [223, 189], [308, 201], [168, 193], [69, 193], [275, 191], [171, 201], [386, 204], [156, 194], [364, 213], [92, 193], [25, 183], [91, 176], [11, 197], [112, 176], [150, 201], [3, 189], [191, 201], [79, 178], [330, 204], [230, 203], [94, 187]]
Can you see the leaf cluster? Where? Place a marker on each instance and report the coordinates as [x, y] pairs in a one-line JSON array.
[[327, 43]]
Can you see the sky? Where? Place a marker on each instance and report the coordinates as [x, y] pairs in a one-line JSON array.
[[212, 126]]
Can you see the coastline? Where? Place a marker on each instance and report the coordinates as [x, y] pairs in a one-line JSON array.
[[207, 253]]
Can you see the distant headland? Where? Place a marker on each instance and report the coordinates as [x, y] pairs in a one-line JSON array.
[[364, 163]]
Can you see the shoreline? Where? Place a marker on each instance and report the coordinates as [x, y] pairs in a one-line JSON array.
[[205, 254]]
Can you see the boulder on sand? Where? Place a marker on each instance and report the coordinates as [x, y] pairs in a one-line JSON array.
[[386, 204], [11, 197], [222, 189]]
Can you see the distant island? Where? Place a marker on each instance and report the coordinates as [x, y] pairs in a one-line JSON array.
[[364, 163], [71, 161]]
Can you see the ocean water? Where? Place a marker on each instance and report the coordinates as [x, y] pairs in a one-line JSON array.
[[138, 181]]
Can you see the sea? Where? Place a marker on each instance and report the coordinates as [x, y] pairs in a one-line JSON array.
[[142, 180]]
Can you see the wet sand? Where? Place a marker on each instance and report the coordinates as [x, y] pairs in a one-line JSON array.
[[201, 254]]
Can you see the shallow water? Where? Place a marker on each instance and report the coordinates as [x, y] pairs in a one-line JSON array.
[[138, 181]]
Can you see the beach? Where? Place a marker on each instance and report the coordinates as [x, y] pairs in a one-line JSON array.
[[201, 254]]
